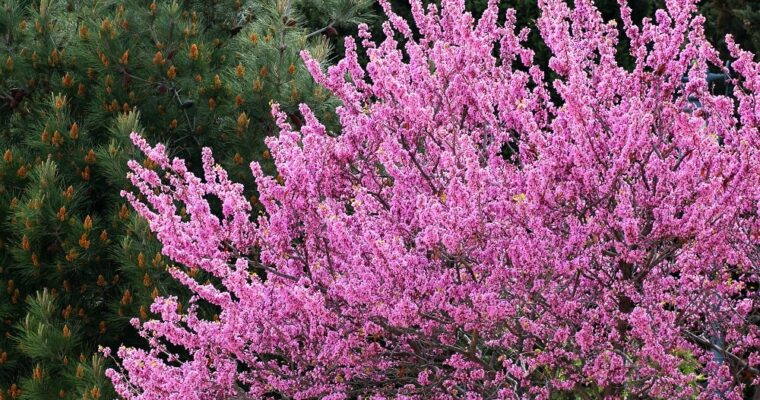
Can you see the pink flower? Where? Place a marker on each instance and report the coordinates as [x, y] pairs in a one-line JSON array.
[[476, 229]]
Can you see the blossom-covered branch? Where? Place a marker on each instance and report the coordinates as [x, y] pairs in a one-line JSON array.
[[476, 230]]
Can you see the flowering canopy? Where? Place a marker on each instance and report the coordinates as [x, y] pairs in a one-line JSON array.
[[476, 230]]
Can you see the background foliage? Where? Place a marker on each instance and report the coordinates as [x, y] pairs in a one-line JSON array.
[[76, 78]]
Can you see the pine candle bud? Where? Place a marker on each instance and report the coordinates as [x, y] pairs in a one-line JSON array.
[[147, 281], [67, 80], [211, 104], [172, 72], [74, 131], [292, 69], [105, 25], [71, 255], [217, 82], [69, 193], [103, 236], [254, 38], [37, 373], [263, 72], [54, 58], [123, 212], [101, 281], [84, 32], [59, 101], [14, 391], [242, 122], [158, 58], [21, 172], [57, 139], [9, 63], [87, 224], [66, 331], [193, 51], [240, 71], [90, 157], [84, 242], [25, 245], [124, 60], [126, 299]]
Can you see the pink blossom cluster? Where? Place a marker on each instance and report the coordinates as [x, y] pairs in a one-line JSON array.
[[477, 230]]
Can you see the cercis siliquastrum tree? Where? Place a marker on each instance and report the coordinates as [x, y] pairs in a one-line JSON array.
[[476, 231]]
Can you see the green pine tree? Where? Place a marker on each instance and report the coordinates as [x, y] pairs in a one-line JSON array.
[[741, 18], [76, 77]]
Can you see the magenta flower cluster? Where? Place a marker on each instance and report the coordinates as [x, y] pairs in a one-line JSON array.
[[481, 228]]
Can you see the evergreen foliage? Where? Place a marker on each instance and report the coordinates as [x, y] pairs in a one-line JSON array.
[[741, 18], [76, 78]]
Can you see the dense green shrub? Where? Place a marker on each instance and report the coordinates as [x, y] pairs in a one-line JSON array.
[[76, 78]]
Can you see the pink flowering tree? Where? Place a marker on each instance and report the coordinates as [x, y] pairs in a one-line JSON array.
[[477, 230]]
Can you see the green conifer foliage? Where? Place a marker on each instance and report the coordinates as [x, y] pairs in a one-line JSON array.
[[740, 18], [76, 77]]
